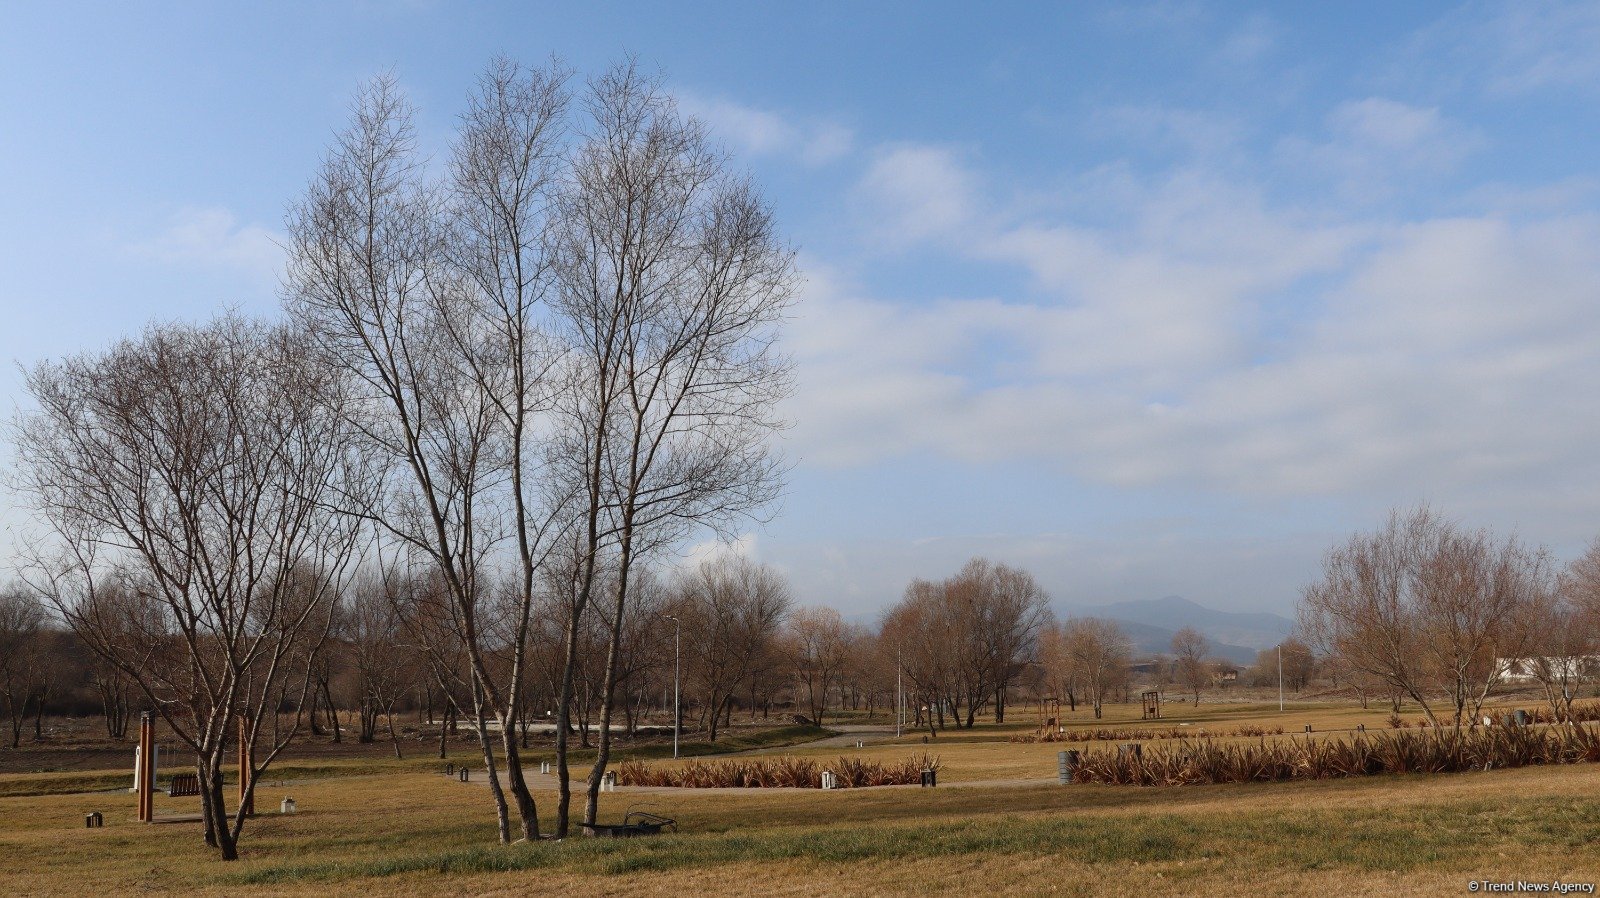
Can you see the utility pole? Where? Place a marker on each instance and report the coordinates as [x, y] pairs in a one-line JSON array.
[[677, 655], [1280, 678]]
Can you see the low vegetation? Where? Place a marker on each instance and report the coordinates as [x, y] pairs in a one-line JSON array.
[[1428, 751], [777, 773]]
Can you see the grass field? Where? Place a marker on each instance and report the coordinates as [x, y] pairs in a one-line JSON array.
[[996, 824]]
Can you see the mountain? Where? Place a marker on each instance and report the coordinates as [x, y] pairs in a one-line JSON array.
[[1151, 623]]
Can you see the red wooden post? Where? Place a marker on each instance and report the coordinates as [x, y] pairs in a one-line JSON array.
[[147, 767]]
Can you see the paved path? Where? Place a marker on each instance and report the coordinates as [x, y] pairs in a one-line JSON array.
[[848, 735]]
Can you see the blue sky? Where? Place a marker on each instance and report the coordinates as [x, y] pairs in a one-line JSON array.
[[1150, 299]]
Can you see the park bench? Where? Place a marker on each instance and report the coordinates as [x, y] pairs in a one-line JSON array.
[[184, 784]]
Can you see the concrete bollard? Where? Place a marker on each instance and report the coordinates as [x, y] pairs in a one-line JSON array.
[[94, 820], [930, 779], [450, 769], [860, 744], [608, 783], [287, 806], [466, 775], [829, 780], [544, 767], [1308, 727]]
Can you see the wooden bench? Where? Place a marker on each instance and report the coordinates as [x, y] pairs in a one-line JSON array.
[[184, 784]]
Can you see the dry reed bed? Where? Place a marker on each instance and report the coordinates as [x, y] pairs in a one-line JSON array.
[[776, 773], [1426, 751]]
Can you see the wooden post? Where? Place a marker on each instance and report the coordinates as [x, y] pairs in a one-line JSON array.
[[147, 767], [247, 759]]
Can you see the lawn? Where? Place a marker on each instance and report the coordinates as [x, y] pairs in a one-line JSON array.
[[998, 826]]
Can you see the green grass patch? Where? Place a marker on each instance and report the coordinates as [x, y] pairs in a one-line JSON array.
[[1362, 840]]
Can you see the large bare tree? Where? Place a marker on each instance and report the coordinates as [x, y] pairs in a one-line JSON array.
[[190, 479], [1429, 608], [429, 295], [671, 282]]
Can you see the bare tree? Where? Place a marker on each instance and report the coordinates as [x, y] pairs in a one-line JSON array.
[[965, 639], [21, 623], [189, 479], [1189, 653], [1097, 654], [732, 611], [671, 282], [819, 646], [1564, 631], [375, 636], [429, 297], [1428, 608]]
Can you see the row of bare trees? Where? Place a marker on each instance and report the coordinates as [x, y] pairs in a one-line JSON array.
[[1429, 611]]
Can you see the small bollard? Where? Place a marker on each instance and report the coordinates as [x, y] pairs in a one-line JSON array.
[[829, 780], [544, 767], [450, 769], [466, 775], [930, 779], [1361, 728], [860, 744], [1308, 727], [287, 807], [608, 783], [1521, 717], [94, 820]]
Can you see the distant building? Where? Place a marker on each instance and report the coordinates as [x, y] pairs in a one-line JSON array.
[[1526, 670]]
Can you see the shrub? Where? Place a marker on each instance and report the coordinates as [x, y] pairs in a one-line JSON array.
[[776, 773], [1429, 751]]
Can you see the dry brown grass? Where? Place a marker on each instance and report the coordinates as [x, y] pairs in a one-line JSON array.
[[392, 833]]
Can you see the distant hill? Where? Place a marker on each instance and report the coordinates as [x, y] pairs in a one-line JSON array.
[[1151, 623]]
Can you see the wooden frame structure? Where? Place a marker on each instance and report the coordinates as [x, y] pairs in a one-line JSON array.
[[1151, 699]]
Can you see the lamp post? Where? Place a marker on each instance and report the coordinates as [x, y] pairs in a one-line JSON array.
[[1280, 678], [677, 654]]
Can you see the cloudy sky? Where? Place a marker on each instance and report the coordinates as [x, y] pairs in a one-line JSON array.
[[1150, 299]]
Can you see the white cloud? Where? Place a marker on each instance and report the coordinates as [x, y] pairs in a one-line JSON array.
[[1376, 146], [1513, 48], [761, 132], [916, 192], [743, 546], [1212, 340], [212, 237]]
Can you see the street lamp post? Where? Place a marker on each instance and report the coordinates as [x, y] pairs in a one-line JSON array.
[[677, 654], [1280, 678]]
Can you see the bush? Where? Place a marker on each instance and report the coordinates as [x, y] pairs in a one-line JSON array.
[[1426, 751], [775, 773]]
